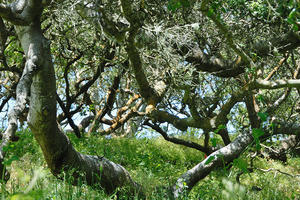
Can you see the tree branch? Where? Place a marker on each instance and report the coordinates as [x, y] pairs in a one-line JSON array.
[[217, 159], [22, 94], [204, 123], [227, 34], [276, 68], [110, 100], [69, 116], [66, 71], [277, 84], [215, 66], [174, 140], [150, 94], [97, 15], [4, 101], [3, 36], [109, 55], [272, 108], [282, 44], [21, 12], [6, 12], [119, 121]]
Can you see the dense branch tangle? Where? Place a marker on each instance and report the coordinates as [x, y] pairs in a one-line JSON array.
[[134, 61]]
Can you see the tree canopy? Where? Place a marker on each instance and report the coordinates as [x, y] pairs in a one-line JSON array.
[[221, 77]]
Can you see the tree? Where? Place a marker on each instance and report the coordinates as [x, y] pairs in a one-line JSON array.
[[214, 66]]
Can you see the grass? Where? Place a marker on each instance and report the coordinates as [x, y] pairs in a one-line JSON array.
[[154, 163]]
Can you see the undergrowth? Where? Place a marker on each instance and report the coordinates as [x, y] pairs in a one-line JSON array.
[[154, 163]]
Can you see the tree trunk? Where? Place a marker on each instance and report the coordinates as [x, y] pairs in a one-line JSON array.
[[40, 85], [217, 159]]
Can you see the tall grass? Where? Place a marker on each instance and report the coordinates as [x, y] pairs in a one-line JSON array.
[[154, 163]]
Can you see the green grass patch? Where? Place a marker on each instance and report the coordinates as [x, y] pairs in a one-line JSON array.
[[154, 163]]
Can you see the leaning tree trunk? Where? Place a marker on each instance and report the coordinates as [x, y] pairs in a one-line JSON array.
[[217, 159], [40, 84], [57, 149]]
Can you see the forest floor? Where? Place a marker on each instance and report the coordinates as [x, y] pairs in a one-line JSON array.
[[152, 162]]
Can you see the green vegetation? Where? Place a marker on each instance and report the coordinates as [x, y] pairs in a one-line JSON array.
[[155, 163]]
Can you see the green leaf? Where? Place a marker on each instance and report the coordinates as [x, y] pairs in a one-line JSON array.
[[5, 148], [92, 107], [209, 159], [295, 27], [214, 142], [241, 164], [257, 145], [290, 20], [101, 169], [293, 14], [173, 5], [10, 160], [257, 132], [262, 116], [210, 12], [220, 127], [261, 98]]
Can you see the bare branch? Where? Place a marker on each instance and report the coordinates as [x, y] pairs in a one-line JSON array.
[[4, 101], [69, 116], [177, 140], [279, 101], [150, 94], [110, 100], [199, 122], [118, 122], [277, 170], [3, 35], [108, 56], [263, 84], [66, 71], [276, 68], [96, 14], [6, 11]]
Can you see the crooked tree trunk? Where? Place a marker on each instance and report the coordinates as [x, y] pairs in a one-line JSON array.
[[57, 149], [40, 84], [217, 159]]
